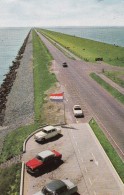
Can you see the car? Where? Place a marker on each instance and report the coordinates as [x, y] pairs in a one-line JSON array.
[[58, 187], [78, 111], [47, 133], [42, 160], [64, 64]]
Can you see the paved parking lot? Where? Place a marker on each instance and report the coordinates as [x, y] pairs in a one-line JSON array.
[[85, 163]]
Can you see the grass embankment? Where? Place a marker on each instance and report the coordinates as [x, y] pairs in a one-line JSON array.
[[88, 49], [110, 151], [116, 77], [43, 80], [114, 92], [10, 180]]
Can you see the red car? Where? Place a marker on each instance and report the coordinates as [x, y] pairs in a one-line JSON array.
[[42, 160]]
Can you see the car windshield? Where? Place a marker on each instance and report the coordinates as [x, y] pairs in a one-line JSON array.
[[44, 131], [47, 192], [77, 108], [39, 158]]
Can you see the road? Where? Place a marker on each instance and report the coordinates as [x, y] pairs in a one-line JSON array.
[[96, 102], [85, 163]]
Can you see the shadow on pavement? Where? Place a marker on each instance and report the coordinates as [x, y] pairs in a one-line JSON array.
[[48, 169], [51, 139]]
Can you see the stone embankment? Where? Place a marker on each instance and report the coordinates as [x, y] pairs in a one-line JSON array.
[[9, 80]]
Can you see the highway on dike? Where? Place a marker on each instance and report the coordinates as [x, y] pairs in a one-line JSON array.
[[95, 101]]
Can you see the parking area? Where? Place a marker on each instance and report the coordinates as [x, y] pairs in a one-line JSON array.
[[84, 163]]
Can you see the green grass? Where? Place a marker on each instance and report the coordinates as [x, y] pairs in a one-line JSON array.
[[116, 77], [10, 180], [43, 80], [88, 49], [114, 92], [110, 151]]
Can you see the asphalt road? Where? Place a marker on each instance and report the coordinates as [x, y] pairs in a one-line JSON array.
[[95, 101]]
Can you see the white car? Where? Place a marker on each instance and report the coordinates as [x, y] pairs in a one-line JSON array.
[[78, 111], [47, 133]]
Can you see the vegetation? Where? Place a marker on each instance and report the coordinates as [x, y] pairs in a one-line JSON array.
[[13, 144], [43, 80], [88, 49], [116, 77], [10, 180], [114, 92], [110, 151]]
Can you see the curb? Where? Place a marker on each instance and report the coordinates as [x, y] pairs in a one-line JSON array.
[[22, 179], [24, 144]]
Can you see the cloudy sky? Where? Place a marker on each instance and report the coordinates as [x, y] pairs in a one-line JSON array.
[[61, 13]]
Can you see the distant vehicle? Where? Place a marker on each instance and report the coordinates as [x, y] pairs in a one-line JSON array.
[[47, 133], [78, 111], [58, 187], [42, 160], [64, 64]]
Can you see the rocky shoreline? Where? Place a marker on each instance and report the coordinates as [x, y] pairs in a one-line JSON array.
[[9, 80], [19, 98]]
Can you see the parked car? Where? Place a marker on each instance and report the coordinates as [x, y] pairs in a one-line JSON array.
[[64, 64], [47, 133], [58, 187], [78, 111], [42, 160]]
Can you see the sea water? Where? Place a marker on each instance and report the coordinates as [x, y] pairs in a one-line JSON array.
[[111, 35], [11, 40]]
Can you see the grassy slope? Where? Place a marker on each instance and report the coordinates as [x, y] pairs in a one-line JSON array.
[[110, 151], [115, 76], [88, 49], [43, 80], [10, 180], [114, 92]]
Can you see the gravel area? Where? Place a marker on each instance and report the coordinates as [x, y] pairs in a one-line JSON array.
[[20, 101], [20, 104]]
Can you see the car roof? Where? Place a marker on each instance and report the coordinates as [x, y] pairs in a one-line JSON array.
[[55, 185], [45, 154], [48, 128], [77, 106]]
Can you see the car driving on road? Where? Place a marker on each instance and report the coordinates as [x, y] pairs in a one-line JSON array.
[[78, 111], [64, 64], [42, 160], [47, 133], [58, 187]]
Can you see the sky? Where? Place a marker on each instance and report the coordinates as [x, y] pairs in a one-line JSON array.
[[38, 13]]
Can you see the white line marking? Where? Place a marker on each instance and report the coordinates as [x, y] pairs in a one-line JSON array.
[[79, 151], [76, 143], [90, 181], [82, 160], [96, 162], [94, 193], [73, 137], [109, 135], [86, 169], [110, 111]]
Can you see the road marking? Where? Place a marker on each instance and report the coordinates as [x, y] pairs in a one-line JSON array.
[[73, 137], [110, 111], [76, 143], [109, 135], [90, 181], [94, 193], [79, 151], [82, 160], [86, 169], [96, 162]]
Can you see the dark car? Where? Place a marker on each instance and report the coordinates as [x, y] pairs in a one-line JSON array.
[[58, 187], [64, 64]]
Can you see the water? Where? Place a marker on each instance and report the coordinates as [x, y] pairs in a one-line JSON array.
[[11, 39], [111, 35]]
